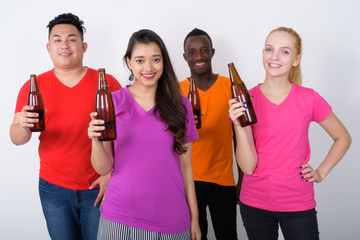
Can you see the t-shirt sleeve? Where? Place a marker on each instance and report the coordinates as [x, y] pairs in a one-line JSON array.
[[22, 97], [191, 132], [321, 108], [114, 85]]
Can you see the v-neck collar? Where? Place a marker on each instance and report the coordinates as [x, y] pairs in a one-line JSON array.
[[136, 105], [283, 101]]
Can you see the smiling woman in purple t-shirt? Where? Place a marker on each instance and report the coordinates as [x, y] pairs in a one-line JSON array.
[[151, 190]]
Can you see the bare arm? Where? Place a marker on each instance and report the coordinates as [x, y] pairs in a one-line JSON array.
[[342, 141], [186, 167], [102, 156], [245, 151], [20, 127]]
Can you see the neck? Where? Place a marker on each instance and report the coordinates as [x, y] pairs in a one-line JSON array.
[[70, 77], [205, 81], [143, 91], [276, 84]]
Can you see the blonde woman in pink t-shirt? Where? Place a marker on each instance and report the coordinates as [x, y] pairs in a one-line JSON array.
[[278, 182]]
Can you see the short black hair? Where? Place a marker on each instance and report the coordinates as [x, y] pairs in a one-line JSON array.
[[68, 18], [197, 32]]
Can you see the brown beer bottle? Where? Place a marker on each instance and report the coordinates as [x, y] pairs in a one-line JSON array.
[[35, 100], [240, 92], [104, 106], [194, 98]]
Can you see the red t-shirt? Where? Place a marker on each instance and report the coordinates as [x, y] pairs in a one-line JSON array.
[[65, 148]]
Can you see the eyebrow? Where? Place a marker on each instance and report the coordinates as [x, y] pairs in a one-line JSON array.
[[70, 35], [269, 45], [156, 55]]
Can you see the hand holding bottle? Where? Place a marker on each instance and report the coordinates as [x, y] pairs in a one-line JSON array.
[[95, 126], [236, 109]]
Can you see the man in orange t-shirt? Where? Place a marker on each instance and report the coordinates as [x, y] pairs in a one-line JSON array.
[[68, 184], [212, 155]]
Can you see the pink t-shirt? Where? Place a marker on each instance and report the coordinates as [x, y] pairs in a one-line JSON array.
[[282, 144], [146, 189]]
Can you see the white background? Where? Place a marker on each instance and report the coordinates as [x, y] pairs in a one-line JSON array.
[[330, 63]]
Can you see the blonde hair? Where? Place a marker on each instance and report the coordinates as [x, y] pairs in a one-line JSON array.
[[295, 74]]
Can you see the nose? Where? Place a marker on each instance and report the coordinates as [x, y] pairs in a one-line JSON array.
[[274, 55], [148, 66], [64, 44]]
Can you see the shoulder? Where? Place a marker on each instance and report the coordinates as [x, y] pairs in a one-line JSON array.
[[254, 90], [305, 91]]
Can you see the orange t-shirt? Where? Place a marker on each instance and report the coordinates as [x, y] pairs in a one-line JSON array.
[[64, 147], [212, 155]]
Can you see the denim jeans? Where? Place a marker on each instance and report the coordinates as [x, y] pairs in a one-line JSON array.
[[263, 225], [69, 214]]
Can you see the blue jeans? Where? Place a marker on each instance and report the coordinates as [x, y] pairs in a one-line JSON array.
[[69, 214], [263, 225]]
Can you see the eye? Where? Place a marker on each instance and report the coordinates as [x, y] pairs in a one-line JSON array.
[[57, 40], [204, 50], [267, 49], [156, 60], [139, 61], [71, 40], [286, 52], [191, 53]]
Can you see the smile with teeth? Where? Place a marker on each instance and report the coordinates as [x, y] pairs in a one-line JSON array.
[[200, 64], [148, 75], [274, 65]]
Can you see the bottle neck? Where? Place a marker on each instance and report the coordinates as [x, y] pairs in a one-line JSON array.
[[193, 86], [33, 85], [102, 81]]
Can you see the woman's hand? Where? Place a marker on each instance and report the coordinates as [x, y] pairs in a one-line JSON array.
[[310, 175], [236, 110], [95, 126], [195, 230]]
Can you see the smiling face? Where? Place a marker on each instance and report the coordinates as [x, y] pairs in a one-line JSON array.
[[66, 47], [198, 55], [146, 63], [280, 54]]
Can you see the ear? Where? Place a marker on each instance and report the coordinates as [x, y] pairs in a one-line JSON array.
[[212, 52], [48, 47], [128, 63], [184, 55], [85, 46], [297, 60]]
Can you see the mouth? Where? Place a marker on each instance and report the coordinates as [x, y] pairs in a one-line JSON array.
[[65, 54], [200, 65], [148, 76], [274, 65]]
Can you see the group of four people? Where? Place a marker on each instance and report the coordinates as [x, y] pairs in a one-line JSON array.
[[163, 171]]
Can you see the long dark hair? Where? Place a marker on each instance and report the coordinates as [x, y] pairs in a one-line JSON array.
[[167, 98]]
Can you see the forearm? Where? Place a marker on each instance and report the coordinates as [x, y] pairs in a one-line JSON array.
[[336, 153], [245, 151], [102, 157], [190, 192], [19, 135]]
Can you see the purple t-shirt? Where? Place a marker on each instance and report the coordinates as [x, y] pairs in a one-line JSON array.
[[146, 188], [282, 145]]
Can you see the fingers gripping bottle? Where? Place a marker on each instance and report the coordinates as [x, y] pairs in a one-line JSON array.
[[104, 106], [35, 100], [240, 92]]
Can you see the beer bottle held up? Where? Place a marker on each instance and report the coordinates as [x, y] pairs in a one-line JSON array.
[[104, 106], [240, 92], [194, 98], [35, 100]]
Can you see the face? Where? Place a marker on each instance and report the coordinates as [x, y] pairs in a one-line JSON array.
[[198, 54], [66, 47], [146, 64], [279, 54]]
